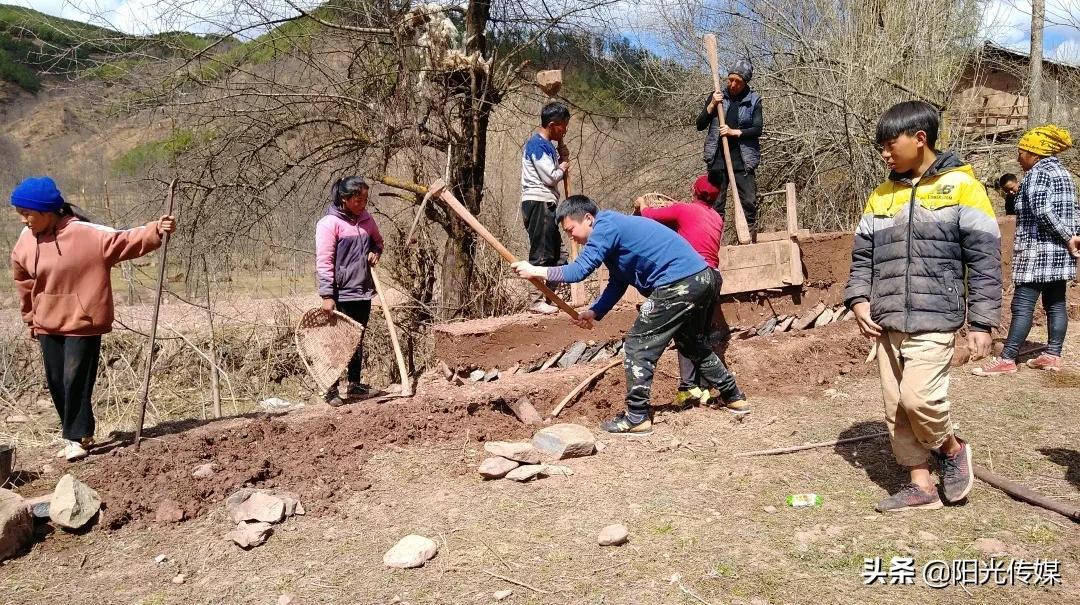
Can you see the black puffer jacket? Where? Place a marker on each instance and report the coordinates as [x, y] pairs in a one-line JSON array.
[[916, 243]]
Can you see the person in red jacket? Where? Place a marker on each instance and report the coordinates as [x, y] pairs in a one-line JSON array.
[[61, 265], [698, 223]]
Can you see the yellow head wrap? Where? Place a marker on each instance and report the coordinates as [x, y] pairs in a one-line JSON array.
[[1045, 140]]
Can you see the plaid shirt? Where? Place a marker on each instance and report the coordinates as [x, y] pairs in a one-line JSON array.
[[1046, 217]]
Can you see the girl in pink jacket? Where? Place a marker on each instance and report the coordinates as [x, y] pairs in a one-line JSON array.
[[347, 245], [61, 265]]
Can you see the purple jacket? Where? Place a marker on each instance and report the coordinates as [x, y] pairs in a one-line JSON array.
[[342, 243]]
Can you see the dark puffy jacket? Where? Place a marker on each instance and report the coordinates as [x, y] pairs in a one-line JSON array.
[[749, 143], [914, 246]]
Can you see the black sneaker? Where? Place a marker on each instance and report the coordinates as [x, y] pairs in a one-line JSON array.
[[910, 497], [332, 398], [358, 389], [621, 425], [957, 478]]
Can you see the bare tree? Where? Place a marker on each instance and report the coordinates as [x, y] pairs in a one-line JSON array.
[[1035, 83]]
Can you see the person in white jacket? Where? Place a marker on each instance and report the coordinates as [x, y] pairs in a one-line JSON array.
[[544, 164]]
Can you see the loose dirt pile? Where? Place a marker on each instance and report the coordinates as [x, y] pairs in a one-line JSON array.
[[320, 452]]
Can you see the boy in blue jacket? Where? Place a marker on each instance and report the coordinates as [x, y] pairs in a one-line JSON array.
[[680, 288]]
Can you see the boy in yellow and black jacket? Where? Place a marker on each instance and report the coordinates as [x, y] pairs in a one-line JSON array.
[[922, 232]]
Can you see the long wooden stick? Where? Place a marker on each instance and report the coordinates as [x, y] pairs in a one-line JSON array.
[[410, 239], [470, 220], [406, 383], [741, 229], [154, 321], [810, 446], [581, 387], [513, 581], [1026, 495]]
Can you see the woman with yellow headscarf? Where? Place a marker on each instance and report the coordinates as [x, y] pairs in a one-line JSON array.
[[1046, 223]]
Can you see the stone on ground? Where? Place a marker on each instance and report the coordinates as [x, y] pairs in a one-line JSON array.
[[251, 505], [73, 503], [250, 535], [168, 511], [16, 524], [477, 375], [286, 599], [613, 535], [824, 318], [767, 327], [525, 473], [39, 506], [496, 467], [555, 470], [518, 451], [565, 441], [275, 404], [807, 319], [410, 551], [525, 412], [292, 503], [501, 595], [784, 325], [179, 578], [573, 354], [203, 471]]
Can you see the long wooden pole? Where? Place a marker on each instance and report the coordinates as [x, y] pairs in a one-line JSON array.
[[470, 220], [154, 322], [741, 228], [1026, 495], [406, 383], [581, 387]]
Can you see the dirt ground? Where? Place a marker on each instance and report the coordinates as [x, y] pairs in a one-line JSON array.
[[699, 518]]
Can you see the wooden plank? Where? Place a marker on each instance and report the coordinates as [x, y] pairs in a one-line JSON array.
[[577, 290], [773, 236], [752, 267], [794, 254]]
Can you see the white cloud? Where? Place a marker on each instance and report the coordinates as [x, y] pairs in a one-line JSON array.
[[142, 17], [1008, 23], [1067, 52]]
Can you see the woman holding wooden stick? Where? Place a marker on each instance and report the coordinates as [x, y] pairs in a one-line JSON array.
[[62, 269], [347, 245]]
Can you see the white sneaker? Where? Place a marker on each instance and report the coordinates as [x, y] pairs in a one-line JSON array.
[[544, 308], [74, 451]]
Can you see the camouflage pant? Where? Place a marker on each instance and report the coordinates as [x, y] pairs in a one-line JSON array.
[[676, 311]]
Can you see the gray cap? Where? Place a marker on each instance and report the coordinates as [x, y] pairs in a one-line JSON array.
[[744, 69]]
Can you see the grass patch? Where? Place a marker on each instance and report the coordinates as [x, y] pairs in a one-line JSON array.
[[1062, 380], [664, 528], [137, 160]]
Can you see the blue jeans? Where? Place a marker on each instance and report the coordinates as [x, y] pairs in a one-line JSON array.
[[1023, 308]]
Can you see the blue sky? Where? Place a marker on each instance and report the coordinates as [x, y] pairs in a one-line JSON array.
[[1006, 22]]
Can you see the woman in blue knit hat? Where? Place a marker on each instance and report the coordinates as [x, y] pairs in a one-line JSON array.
[[61, 264], [742, 125]]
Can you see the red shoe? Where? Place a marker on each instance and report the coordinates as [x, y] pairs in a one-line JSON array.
[[1045, 361], [995, 367]]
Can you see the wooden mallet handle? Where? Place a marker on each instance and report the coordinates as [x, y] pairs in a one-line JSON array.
[[470, 220], [741, 228]]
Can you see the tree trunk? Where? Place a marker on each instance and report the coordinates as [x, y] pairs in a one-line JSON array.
[[1035, 106], [467, 165]]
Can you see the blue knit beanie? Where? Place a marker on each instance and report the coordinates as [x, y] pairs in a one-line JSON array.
[[38, 193]]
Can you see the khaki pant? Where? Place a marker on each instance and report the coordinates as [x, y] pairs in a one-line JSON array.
[[914, 372]]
